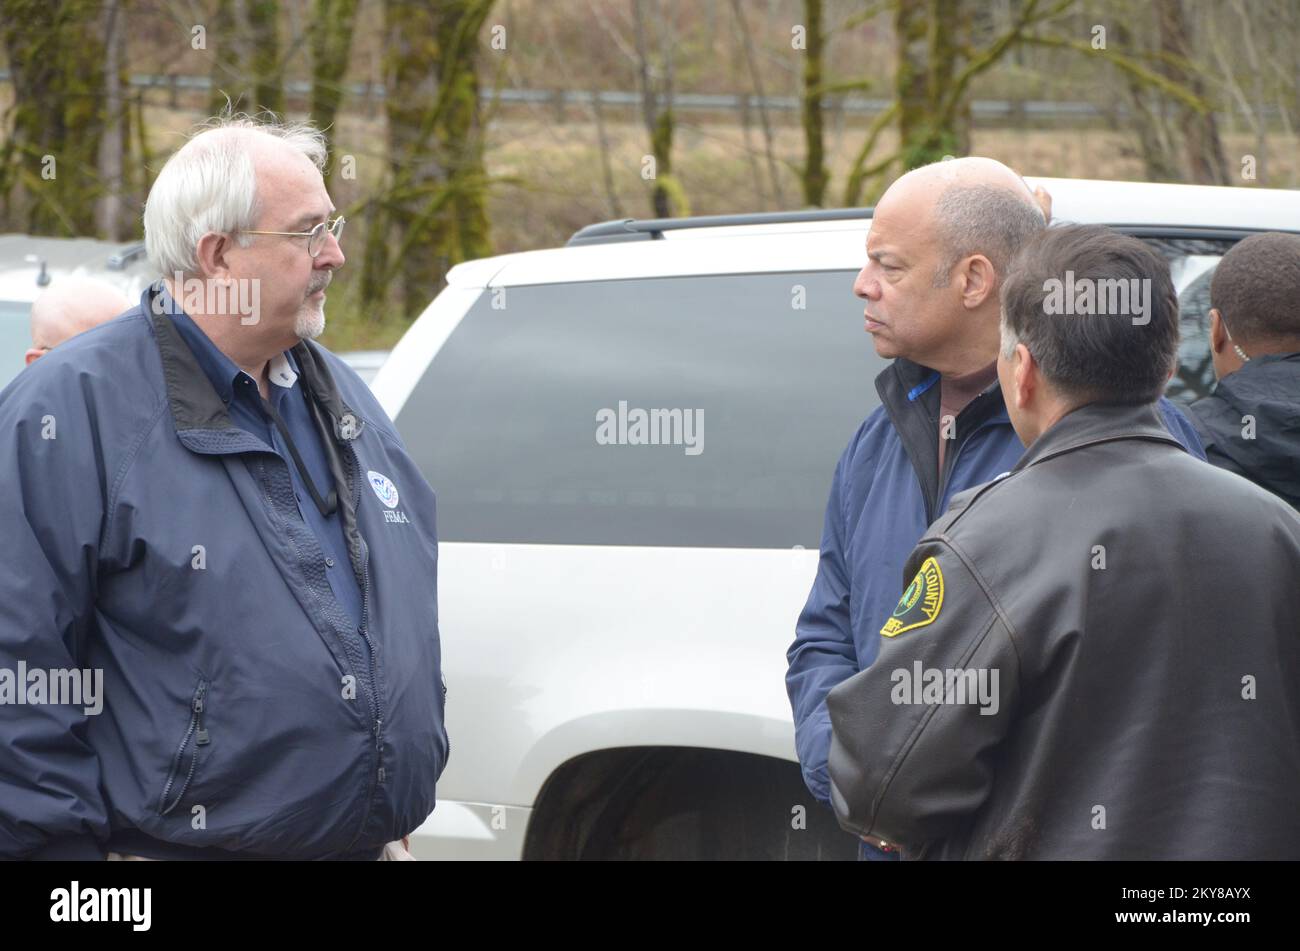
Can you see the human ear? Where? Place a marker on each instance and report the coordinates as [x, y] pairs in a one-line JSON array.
[[1025, 371], [978, 279], [1218, 332], [211, 255]]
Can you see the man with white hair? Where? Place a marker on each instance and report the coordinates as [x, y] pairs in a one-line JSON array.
[[941, 239], [71, 305], [211, 517]]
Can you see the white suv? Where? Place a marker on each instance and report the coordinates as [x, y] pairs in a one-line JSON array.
[[632, 440]]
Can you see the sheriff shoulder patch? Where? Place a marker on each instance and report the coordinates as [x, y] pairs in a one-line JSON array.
[[920, 603]]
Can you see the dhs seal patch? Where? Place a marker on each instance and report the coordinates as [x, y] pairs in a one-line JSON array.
[[920, 603], [383, 487], [387, 494]]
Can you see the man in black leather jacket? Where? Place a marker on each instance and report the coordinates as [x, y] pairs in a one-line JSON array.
[[1098, 655]]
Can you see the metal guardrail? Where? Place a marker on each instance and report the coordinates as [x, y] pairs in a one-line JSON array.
[[685, 102]]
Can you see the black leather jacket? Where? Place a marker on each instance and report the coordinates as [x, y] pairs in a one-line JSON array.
[[1115, 629]]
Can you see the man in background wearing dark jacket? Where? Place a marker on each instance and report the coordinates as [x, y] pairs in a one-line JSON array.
[[941, 238], [1099, 653], [1251, 423]]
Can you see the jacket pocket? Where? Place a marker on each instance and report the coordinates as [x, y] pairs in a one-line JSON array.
[[181, 774]]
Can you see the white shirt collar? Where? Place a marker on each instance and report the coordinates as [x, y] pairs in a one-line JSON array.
[[281, 372]]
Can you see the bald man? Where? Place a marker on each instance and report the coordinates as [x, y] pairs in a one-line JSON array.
[[941, 238], [70, 306]]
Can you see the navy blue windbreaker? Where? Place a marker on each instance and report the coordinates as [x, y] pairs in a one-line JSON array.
[[886, 491], [146, 536]]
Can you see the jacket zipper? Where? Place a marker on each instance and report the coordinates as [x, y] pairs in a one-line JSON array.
[[950, 464], [196, 731], [376, 708]]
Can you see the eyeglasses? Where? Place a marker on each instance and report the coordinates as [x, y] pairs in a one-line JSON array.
[[315, 237]]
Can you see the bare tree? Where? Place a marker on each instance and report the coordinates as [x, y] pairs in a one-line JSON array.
[[1150, 119], [668, 197], [49, 164], [606, 167], [938, 57], [1205, 161], [435, 207], [264, 31], [222, 37], [756, 82], [331, 46], [112, 147], [1251, 103], [247, 70]]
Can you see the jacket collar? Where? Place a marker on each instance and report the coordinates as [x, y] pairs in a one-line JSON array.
[[1268, 372], [202, 420], [904, 382], [319, 381], [1097, 423], [909, 393], [219, 368]]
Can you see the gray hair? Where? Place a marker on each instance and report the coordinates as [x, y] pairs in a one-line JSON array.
[[1098, 354], [210, 185], [1007, 338], [983, 219]]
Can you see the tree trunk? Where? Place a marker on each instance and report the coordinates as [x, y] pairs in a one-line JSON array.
[[227, 88], [112, 148], [331, 47], [930, 36], [815, 176], [264, 28], [1153, 134], [436, 207], [1203, 148], [667, 198], [606, 168], [756, 81], [50, 162]]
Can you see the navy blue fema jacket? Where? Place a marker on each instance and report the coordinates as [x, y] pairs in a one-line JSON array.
[[242, 711], [885, 492]]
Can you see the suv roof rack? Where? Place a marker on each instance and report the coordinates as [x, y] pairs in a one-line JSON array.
[[650, 229], [122, 259]]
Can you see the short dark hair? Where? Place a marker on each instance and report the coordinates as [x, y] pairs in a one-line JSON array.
[[1256, 287], [1101, 353]]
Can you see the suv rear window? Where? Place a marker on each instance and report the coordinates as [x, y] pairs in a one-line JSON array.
[[756, 399], [529, 422], [1191, 263]]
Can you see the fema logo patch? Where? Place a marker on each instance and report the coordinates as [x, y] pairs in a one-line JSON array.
[[920, 603], [383, 487]]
